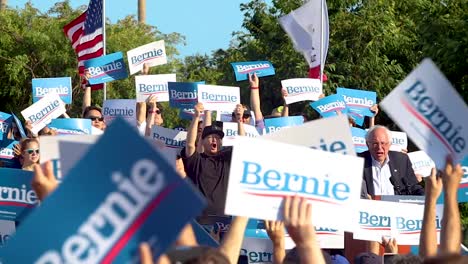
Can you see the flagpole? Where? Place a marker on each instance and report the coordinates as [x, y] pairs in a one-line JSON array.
[[321, 43], [104, 40]]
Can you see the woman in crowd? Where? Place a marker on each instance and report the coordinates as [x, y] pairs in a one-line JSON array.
[[29, 156]]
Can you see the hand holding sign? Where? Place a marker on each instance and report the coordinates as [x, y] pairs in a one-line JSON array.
[[253, 80], [451, 177], [433, 186], [44, 181]]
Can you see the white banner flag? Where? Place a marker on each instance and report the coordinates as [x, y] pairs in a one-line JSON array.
[[147, 85], [431, 112], [43, 111], [152, 54], [301, 89]]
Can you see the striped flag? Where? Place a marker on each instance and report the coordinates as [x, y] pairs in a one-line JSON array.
[[86, 35]]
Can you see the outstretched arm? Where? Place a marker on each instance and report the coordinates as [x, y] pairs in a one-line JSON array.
[[255, 96], [87, 91], [232, 241], [190, 147], [285, 111]]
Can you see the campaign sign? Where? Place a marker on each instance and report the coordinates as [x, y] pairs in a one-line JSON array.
[[7, 229], [262, 176], [399, 141], [43, 111], [61, 86], [328, 134], [7, 155], [71, 126], [152, 54], [358, 118], [50, 150], [358, 101], [463, 189], [112, 202], [5, 124], [359, 139], [171, 138], [328, 106], [147, 85], [124, 108], [183, 94], [421, 162], [273, 125], [431, 112], [243, 69], [106, 68], [17, 196], [19, 126], [372, 220], [407, 223], [231, 132], [301, 89], [215, 97]]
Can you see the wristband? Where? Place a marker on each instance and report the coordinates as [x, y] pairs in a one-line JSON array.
[[253, 87]]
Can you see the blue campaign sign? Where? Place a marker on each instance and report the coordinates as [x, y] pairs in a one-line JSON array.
[[17, 195], [61, 86], [19, 126], [243, 69], [183, 94], [71, 126], [359, 139], [358, 118], [7, 156], [358, 101], [106, 68], [328, 106], [203, 238], [122, 192], [5, 125], [462, 194], [275, 124]]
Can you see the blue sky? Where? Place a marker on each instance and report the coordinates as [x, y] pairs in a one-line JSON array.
[[206, 24]]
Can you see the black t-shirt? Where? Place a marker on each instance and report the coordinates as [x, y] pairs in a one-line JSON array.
[[210, 174]]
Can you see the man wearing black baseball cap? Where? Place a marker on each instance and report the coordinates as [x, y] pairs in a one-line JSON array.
[[209, 170]]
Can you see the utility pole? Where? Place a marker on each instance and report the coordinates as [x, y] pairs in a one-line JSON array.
[[141, 11], [3, 4]]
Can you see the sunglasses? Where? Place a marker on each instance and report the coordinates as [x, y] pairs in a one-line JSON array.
[[94, 118], [245, 116], [31, 151], [156, 111]]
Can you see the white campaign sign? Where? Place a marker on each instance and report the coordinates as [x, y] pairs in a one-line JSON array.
[[402, 221], [399, 141], [372, 220], [327, 134], [231, 131], [301, 89], [43, 111], [171, 138], [124, 108], [147, 85], [421, 162], [263, 172], [431, 112], [50, 149], [152, 54], [329, 238], [215, 97]]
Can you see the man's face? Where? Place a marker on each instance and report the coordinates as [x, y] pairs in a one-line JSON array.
[[212, 144], [97, 120], [379, 144]]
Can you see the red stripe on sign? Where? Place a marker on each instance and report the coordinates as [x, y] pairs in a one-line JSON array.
[[427, 124], [282, 195], [17, 204], [139, 221]]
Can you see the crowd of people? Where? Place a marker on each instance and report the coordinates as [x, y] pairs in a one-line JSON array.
[[206, 164]]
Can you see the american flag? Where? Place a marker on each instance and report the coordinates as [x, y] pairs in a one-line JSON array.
[[86, 34]]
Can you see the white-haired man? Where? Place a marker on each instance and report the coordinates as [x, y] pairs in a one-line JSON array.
[[387, 172]]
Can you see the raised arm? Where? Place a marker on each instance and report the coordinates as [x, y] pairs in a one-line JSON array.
[[375, 110], [207, 120], [239, 112], [298, 220], [275, 231], [151, 103], [141, 106], [190, 147], [285, 111], [232, 242], [255, 96], [428, 238], [450, 235], [87, 92]]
